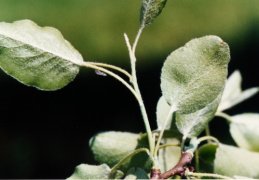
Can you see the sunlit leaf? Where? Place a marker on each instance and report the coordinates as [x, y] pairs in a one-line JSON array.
[[233, 93], [191, 125], [111, 147], [150, 9], [85, 171], [244, 129], [233, 161], [37, 56], [194, 75]]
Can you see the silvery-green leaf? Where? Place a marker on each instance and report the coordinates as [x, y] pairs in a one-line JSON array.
[[162, 111], [111, 147], [233, 161], [85, 171], [244, 129], [150, 9], [194, 75], [191, 125], [37, 56], [233, 93], [169, 156], [136, 173]]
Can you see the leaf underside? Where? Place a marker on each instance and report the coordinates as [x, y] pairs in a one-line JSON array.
[[233, 161], [36, 56], [244, 129]]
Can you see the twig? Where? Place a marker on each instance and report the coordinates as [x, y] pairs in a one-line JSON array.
[[178, 169]]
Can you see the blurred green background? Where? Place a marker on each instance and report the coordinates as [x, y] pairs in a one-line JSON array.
[[45, 134]]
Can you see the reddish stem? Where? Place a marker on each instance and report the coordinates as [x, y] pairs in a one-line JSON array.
[[178, 169]]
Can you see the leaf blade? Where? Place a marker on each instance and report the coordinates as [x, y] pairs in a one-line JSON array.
[[244, 129], [191, 125], [36, 56], [233, 93], [150, 9], [194, 75], [241, 161], [86, 171]]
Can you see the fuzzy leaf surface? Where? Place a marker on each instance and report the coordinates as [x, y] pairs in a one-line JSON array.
[[233, 161], [233, 93], [37, 56], [110, 147], [191, 125], [194, 75], [150, 9], [86, 171], [244, 129]]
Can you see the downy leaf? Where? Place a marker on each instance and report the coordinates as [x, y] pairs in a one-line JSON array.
[[194, 75], [150, 9], [191, 125], [85, 171], [111, 147], [233, 161], [233, 93], [162, 112], [36, 56], [244, 129]]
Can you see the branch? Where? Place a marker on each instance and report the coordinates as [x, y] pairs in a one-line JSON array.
[[178, 169]]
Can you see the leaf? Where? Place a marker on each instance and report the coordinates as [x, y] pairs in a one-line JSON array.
[[233, 161], [36, 56], [111, 147], [191, 125], [169, 156], [136, 173], [233, 93], [244, 129], [162, 111], [85, 171], [206, 157], [194, 75], [150, 9]]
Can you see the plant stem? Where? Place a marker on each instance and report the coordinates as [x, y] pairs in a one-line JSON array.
[[225, 116], [197, 162], [122, 161], [112, 67], [136, 87], [89, 65], [206, 138], [188, 173], [169, 116], [168, 145]]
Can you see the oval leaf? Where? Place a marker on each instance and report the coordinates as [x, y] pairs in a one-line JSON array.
[[233, 93], [85, 171], [244, 129], [233, 161], [191, 125], [194, 75], [37, 56], [111, 147], [150, 9]]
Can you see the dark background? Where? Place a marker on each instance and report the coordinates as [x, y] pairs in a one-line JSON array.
[[46, 134]]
